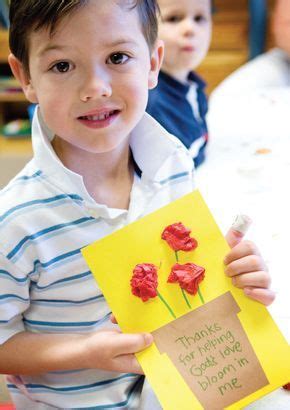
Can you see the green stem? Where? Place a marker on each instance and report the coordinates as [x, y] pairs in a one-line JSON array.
[[182, 290], [185, 298], [200, 295], [166, 304], [176, 256]]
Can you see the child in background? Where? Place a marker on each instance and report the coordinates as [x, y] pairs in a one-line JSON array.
[[179, 102], [99, 163]]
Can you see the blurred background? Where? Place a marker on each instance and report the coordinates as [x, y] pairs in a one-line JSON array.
[[235, 169]]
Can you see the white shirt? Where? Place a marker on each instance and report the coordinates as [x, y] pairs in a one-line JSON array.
[[46, 217], [192, 98]]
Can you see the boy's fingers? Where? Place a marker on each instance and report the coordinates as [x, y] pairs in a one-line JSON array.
[[130, 343], [251, 263], [238, 230], [259, 279], [113, 319], [128, 362], [233, 237], [265, 296], [245, 248]]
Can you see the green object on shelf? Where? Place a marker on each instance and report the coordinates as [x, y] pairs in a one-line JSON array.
[[16, 129]]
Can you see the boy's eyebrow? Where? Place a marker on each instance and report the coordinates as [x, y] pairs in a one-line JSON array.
[[53, 47], [120, 42]]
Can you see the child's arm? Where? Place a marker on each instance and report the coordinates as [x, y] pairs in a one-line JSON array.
[[248, 271], [28, 353]]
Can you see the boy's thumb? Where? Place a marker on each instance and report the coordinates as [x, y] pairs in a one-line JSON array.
[[132, 343], [233, 237], [238, 230]]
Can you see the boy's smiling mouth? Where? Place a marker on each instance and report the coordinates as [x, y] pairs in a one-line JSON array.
[[99, 119], [189, 48]]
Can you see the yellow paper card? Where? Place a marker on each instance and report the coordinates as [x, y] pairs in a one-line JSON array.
[[223, 350]]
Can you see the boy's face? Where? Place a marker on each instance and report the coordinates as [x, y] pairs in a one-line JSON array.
[[185, 27], [281, 25], [91, 78]]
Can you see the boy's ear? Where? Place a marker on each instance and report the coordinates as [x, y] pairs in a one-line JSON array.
[[155, 61], [23, 77]]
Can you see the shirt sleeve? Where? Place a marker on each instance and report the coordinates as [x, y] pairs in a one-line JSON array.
[[14, 299]]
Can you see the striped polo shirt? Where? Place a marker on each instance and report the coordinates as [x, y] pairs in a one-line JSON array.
[[46, 217]]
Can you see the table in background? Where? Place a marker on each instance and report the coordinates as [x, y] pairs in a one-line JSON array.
[[252, 176]]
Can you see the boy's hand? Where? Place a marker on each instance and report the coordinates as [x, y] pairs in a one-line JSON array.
[[114, 351], [248, 271]]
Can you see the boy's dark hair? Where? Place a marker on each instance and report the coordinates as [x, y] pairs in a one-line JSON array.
[[32, 15]]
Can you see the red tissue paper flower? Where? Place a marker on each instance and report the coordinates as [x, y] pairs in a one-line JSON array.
[[286, 386], [144, 281], [188, 276], [177, 237]]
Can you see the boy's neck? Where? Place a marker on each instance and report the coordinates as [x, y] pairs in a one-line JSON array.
[[181, 76], [108, 177]]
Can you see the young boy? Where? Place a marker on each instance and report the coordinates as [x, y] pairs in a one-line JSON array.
[[99, 163], [179, 102]]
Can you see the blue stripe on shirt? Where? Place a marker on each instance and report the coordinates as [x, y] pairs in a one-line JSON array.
[[60, 258], [61, 282], [65, 326], [35, 202], [172, 177], [25, 241], [57, 303], [12, 296], [8, 275], [23, 180], [32, 387], [28, 177]]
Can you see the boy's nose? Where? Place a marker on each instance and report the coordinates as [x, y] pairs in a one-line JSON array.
[[96, 85], [189, 27]]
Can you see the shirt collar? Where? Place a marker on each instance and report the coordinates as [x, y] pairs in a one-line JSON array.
[[154, 150], [179, 87], [195, 78], [47, 160]]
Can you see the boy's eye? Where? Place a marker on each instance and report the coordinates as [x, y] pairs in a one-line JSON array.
[[173, 19], [62, 67], [199, 18], [118, 58]]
